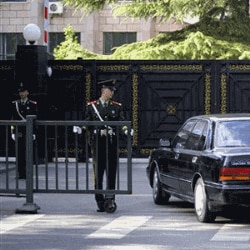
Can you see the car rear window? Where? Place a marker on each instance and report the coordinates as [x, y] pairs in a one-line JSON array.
[[233, 134]]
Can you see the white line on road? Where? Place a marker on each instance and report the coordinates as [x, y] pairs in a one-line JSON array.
[[233, 232], [16, 221], [119, 227]]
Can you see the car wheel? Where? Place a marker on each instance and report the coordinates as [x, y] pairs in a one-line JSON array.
[[202, 211], [160, 197]]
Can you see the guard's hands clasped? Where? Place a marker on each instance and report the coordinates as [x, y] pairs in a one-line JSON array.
[[105, 132], [77, 129], [13, 136], [131, 132]]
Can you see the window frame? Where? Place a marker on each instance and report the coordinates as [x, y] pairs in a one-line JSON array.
[[13, 1], [111, 37], [9, 43]]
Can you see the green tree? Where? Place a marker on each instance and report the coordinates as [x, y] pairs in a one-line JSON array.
[[70, 48], [222, 31]]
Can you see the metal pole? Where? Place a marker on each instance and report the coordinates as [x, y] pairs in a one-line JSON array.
[[46, 25], [129, 145], [29, 206]]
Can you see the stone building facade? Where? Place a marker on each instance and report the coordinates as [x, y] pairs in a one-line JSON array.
[[15, 14]]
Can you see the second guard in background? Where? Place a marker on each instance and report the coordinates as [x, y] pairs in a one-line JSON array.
[[20, 109]]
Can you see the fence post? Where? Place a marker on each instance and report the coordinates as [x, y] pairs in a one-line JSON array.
[[29, 206]]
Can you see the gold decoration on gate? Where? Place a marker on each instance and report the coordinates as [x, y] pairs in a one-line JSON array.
[[223, 84], [135, 108], [207, 93], [171, 109]]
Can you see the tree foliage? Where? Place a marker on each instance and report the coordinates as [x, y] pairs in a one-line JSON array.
[[195, 46], [166, 9], [88, 6], [223, 30], [70, 48]]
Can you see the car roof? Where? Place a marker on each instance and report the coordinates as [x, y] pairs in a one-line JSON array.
[[227, 116]]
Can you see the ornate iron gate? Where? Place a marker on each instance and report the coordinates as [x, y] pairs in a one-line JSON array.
[[157, 96]]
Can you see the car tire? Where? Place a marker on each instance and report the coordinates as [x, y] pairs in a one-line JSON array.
[[160, 197], [202, 211]]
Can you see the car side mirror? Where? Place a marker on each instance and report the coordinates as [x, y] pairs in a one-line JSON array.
[[163, 142]]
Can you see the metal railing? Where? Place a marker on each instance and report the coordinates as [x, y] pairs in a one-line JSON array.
[[58, 160]]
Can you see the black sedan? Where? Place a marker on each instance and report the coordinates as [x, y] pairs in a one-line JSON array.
[[207, 163]]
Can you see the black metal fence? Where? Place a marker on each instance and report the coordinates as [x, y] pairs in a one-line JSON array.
[[53, 164]]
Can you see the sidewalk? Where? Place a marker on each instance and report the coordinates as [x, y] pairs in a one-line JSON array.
[[11, 164]]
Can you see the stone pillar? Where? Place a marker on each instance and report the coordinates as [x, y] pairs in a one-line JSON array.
[[31, 66]]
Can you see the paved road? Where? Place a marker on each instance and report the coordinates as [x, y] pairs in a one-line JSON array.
[[70, 222]]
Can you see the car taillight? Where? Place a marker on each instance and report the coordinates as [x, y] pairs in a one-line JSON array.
[[234, 174]]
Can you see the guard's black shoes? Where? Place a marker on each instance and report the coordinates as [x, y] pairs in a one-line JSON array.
[[22, 177], [100, 205]]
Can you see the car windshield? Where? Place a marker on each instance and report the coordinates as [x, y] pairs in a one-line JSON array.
[[233, 134]]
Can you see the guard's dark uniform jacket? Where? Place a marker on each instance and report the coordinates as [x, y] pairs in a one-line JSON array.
[[28, 108], [107, 143], [19, 112], [113, 112]]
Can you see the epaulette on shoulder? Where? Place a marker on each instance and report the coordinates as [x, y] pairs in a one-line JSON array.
[[93, 102], [117, 103], [34, 102]]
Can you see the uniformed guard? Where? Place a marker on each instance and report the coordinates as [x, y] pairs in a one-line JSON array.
[[20, 109], [104, 109]]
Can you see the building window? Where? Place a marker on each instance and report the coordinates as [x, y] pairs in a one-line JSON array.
[[2, 1], [8, 45], [56, 38], [9, 42], [116, 39]]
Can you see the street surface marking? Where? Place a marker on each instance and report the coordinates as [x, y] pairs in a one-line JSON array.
[[130, 247], [233, 232], [119, 227], [16, 221]]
